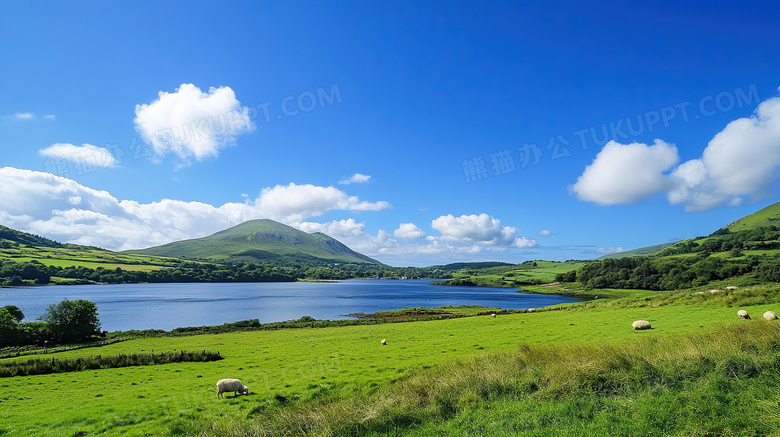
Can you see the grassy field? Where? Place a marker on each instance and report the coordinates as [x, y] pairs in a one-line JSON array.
[[82, 257], [342, 381]]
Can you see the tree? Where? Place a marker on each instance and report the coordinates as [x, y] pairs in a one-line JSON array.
[[72, 320], [9, 327], [15, 312]]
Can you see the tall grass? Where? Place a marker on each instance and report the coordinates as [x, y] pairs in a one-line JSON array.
[[715, 382]]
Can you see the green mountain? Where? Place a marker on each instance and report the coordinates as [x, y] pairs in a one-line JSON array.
[[261, 240], [766, 217]]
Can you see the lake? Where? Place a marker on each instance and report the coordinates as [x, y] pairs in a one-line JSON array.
[[166, 306]]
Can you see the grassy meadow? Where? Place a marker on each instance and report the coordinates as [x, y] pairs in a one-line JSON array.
[[569, 370], [84, 257]]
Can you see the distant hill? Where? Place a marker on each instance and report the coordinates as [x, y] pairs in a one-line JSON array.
[[649, 250], [261, 240], [12, 235], [472, 265], [765, 217]]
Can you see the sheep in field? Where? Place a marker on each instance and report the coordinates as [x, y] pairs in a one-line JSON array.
[[493, 315], [770, 315], [743, 314], [384, 342], [641, 324], [228, 385]]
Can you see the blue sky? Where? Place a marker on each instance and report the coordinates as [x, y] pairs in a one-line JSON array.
[[417, 133]]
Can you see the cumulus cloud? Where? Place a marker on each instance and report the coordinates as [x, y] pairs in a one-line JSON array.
[[62, 209], [191, 123], [408, 231], [51, 117], [740, 161], [338, 229], [524, 243], [625, 173], [24, 116], [544, 233], [480, 229], [357, 178], [86, 153], [295, 202]]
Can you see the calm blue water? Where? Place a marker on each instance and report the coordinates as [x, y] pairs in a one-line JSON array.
[[168, 306]]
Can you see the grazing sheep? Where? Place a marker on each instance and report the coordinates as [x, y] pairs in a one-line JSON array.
[[384, 342], [641, 324], [715, 291], [770, 315], [228, 385], [731, 287], [530, 310], [493, 315], [743, 314]]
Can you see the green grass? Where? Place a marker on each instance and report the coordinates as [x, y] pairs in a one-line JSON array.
[[766, 217], [90, 258], [340, 372]]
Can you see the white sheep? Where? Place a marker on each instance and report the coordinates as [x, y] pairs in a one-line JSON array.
[[770, 315], [384, 342], [228, 385], [732, 287], [743, 314], [641, 324], [493, 315]]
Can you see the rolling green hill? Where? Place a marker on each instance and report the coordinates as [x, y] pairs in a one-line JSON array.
[[769, 216], [10, 237], [766, 217], [261, 240]]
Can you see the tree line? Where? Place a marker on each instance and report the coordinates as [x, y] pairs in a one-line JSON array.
[[36, 273]]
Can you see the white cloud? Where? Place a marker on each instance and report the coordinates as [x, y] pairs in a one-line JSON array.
[[295, 202], [544, 233], [480, 229], [51, 117], [338, 229], [740, 161], [192, 123], [625, 173], [357, 178], [62, 209], [601, 251], [86, 154], [408, 231], [24, 116], [524, 243]]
